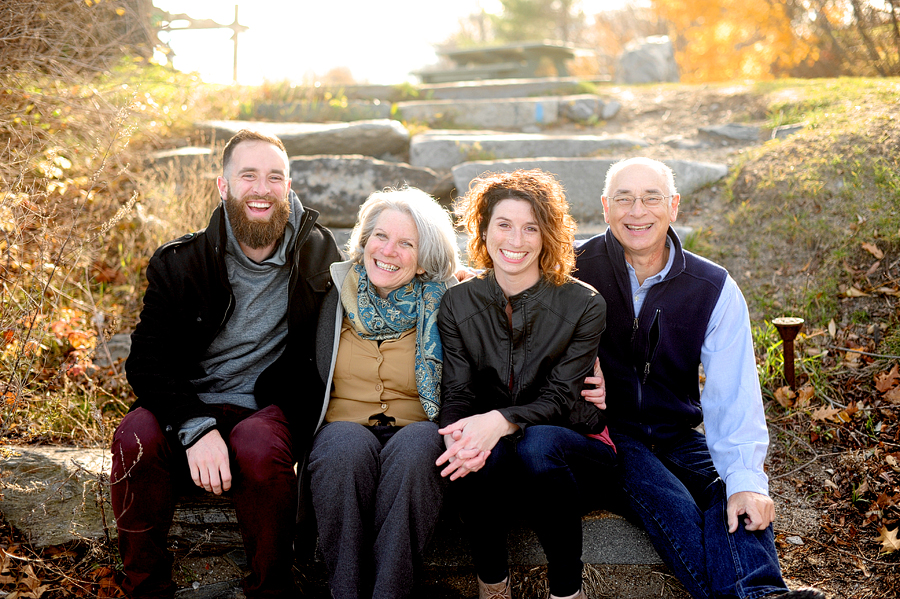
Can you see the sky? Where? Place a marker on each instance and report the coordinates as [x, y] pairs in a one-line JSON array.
[[379, 41]]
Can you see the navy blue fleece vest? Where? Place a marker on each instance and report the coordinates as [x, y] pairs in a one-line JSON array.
[[651, 363]]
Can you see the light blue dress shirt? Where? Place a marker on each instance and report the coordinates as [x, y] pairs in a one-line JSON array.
[[731, 399]]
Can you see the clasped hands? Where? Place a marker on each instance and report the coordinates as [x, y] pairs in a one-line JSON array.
[[469, 442]]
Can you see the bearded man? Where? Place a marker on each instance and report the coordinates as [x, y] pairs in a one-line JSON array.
[[222, 364]]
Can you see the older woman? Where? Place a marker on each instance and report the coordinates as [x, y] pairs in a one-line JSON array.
[[375, 489], [519, 341]]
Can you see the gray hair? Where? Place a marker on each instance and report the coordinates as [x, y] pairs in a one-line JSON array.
[[660, 167], [438, 254]]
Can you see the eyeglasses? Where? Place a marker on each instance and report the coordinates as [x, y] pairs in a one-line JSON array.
[[650, 201]]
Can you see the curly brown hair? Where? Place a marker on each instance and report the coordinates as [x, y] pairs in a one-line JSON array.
[[548, 202]]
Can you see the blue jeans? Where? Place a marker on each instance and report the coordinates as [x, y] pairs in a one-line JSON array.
[[551, 475], [676, 493]]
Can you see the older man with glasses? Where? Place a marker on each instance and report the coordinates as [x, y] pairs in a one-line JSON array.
[[703, 498]]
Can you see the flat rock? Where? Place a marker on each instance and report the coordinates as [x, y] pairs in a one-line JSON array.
[[443, 151], [787, 130], [319, 112], [336, 186], [51, 493], [510, 113], [732, 131], [581, 108], [499, 88], [610, 110], [583, 178], [116, 349], [379, 138]]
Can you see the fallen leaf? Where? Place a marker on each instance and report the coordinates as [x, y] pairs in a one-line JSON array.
[[31, 581], [873, 249], [875, 266], [893, 396], [855, 292], [887, 291], [888, 539], [824, 413], [830, 484], [804, 394], [884, 381], [892, 462], [852, 359], [832, 328], [784, 396]]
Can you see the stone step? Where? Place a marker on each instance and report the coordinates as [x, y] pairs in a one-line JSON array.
[[506, 113], [493, 89], [445, 149], [583, 178], [336, 186], [379, 138], [620, 561]]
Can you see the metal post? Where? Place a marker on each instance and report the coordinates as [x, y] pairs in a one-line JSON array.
[[234, 72]]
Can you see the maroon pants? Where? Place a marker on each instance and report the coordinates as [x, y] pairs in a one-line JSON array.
[[150, 471]]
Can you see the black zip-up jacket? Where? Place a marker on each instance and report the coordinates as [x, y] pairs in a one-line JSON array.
[[189, 300], [532, 372]]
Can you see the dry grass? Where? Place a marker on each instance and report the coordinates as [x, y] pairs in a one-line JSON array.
[[80, 213]]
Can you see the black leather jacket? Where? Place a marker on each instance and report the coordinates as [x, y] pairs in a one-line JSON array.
[[532, 372], [189, 300]]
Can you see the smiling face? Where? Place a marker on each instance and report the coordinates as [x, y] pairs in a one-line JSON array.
[[391, 253], [513, 241], [641, 231], [255, 189]]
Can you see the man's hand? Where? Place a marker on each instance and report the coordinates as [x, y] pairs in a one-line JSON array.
[[463, 274], [595, 387], [208, 461], [759, 510]]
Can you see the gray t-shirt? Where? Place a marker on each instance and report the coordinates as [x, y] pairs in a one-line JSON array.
[[255, 335]]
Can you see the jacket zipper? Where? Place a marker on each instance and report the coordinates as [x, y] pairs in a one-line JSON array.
[[651, 351]]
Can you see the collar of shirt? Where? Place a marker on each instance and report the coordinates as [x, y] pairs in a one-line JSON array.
[[639, 292]]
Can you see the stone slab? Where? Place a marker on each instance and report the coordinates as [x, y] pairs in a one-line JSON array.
[[784, 131], [337, 186], [608, 539], [732, 132], [583, 178], [514, 113], [322, 111], [500, 88], [446, 151], [53, 494], [379, 138]]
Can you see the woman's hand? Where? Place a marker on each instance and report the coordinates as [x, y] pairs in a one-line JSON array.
[[469, 442]]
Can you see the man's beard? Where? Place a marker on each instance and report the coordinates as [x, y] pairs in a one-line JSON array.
[[257, 234]]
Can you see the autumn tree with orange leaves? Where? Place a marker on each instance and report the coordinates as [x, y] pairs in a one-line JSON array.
[[721, 40]]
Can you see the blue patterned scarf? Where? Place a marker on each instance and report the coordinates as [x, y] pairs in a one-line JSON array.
[[413, 305]]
